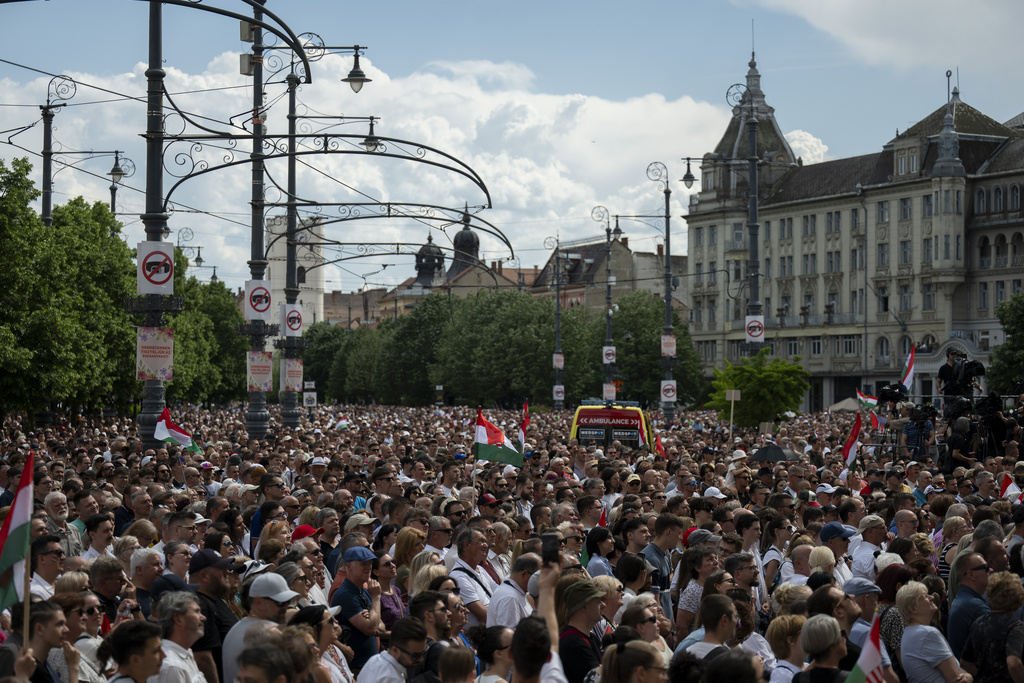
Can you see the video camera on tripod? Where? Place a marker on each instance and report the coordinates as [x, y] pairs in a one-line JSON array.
[[965, 372]]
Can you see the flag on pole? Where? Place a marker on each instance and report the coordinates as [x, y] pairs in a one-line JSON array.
[[659, 448], [1007, 487], [908, 372], [866, 400], [850, 447], [604, 517], [878, 421], [523, 426], [15, 540], [172, 433], [492, 444], [869, 665], [828, 411]]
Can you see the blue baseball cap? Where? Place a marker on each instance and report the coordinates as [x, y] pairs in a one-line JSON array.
[[359, 554], [834, 530]]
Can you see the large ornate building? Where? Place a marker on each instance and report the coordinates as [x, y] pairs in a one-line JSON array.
[[864, 258]]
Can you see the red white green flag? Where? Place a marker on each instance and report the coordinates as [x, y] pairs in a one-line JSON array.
[[850, 447], [869, 665], [866, 400], [171, 433], [492, 444], [523, 426], [878, 421], [15, 540], [907, 379]]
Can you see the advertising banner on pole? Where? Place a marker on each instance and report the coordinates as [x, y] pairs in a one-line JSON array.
[[257, 300], [291, 374], [668, 345], [609, 392], [259, 370], [309, 399], [558, 361], [154, 353], [155, 268]]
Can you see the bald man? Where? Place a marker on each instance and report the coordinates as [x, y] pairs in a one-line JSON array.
[[801, 557]]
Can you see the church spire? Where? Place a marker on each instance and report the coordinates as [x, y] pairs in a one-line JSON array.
[[948, 162]]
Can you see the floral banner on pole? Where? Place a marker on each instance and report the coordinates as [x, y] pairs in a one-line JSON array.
[[154, 353], [259, 371]]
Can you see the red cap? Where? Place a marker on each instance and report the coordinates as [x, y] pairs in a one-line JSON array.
[[686, 536], [488, 499], [305, 531]]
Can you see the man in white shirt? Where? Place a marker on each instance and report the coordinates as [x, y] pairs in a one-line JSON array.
[[872, 532], [439, 535], [836, 538], [183, 624], [47, 564], [408, 644], [475, 586], [509, 604]]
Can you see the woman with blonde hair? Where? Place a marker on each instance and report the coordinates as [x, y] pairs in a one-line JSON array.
[[277, 528], [651, 602], [924, 652], [953, 531], [144, 530], [421, 580], [71, 582], [124, 547], [822, 559], [624, 662], [308, 516], [822, 639], [790, 599], [409, 543]]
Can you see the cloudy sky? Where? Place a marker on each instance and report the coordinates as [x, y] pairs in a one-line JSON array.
[[559, 106]]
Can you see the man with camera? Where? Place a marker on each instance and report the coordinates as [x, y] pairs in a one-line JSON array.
[[918, 433]]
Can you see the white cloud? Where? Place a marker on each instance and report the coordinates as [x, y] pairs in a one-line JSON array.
[[812, 149], [547, 158]]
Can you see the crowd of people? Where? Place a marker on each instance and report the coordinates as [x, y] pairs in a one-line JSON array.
[[370, 544]]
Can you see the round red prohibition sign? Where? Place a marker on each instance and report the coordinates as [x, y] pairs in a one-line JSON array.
[[755, 328], [609, 354], [294, 321], [157, 268], [669, 391], [559, 393], [259, 299]]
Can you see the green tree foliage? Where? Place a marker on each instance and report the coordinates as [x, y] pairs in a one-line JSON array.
[[325, 342], [497, 349], [411, 352], [1006, 364], [361, 364], [767, 388], [64, 335]]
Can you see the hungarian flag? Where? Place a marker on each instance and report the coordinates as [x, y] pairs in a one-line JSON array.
[[604, 517], [869, 665], [908, 372], [523, 426], [1007, 487], [850, 447], [172, 433], [15, 540], [866, 400], [878, 421], [492, 444]]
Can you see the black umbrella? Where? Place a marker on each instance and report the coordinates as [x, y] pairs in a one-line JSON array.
[[773, 453]]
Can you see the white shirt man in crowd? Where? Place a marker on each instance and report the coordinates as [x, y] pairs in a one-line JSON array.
[[509, 605], [872, 532], [183, 624], [475, 586]]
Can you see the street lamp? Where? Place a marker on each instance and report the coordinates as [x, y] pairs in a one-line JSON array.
[[356, 78], [657, 172], [601, 215], [558, 359]]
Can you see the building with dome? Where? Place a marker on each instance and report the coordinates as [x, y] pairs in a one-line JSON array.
[[465, 275], [865, 258]]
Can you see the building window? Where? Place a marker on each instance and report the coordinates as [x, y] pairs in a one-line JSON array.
[[814, 264], [828, 222], [913, 162], [737, 270], [807, 265], [792, 346], [883, 299], [980, 201], [828, 261], [707, 181], [1014, 197], [814, 224], [959, 247], [884, 351], [853, 302], [1016, 287], [712, 234], [906, 252], [904, 297], [854, 218], [815, 346], [929, 297], [807, 226], [883, 255], [883, 212], [853, 259], [713, 271], [982, 295], [789, 265], [926, 250], [301, 275], [997, 200], [851, 344], [926, 206], [902, 164], [711, 311], [945, 246], [809, 303], [837, 221], [698, 237], [905, 211], [789, 228], [699, 273], [737, 233], [698, 311], [1000, 292], [946, 206], [767, 231], [959, 201], [768, 268]]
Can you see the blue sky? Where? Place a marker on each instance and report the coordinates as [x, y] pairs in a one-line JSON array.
[[559, 105]]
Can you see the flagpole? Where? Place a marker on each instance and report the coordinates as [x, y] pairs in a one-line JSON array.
[[26, 630]]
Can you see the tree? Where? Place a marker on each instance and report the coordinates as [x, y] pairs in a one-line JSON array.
[[218, 304], [325, 341], [1006, 364], [767, 389], [411, 352], [361, 364], [64, 335]]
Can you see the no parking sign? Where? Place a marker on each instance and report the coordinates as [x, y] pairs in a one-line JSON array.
[[257, 300], [291, 320]]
